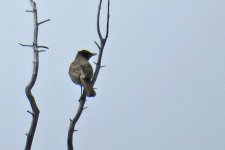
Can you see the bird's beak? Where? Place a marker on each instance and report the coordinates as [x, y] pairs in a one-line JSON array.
[[93, 54]]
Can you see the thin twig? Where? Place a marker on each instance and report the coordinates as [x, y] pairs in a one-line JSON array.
[[98, 20], [26, 45], [44, 21], [41, 51], [43, 47], [30, 11], [30, 112], [97, 44], [97, 69]]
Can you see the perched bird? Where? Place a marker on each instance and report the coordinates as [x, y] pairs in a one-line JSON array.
[[81, 71]]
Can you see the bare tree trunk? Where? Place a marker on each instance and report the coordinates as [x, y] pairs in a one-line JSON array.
[[35, 109], [82, 99]]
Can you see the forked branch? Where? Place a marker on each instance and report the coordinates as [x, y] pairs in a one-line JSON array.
[[102, 39], [82, 99], [35, 110]]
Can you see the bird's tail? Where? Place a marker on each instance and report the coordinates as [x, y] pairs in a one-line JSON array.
[[90, 92]]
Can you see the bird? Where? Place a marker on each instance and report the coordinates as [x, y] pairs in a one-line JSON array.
[[81, 72]]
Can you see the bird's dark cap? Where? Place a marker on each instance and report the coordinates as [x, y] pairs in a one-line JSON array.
[[86, 52]]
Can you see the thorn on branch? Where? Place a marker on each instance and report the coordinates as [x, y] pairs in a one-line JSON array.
[[98, 65], [44, 21], [70, 120], [85, 108], [41, 51], [25, 45], [75, 130], [97, 45], [102, 66], [43, 47], [31, 11], [30, 112]]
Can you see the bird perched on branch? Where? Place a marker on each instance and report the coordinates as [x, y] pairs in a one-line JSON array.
[[81, 71]]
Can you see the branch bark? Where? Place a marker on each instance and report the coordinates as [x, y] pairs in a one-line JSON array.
[[82, 99], [35, 110]]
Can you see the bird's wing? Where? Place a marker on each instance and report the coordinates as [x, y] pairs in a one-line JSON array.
[[74, 72], [86, 71]]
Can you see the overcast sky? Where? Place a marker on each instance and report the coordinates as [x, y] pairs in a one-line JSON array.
[[163, 87]]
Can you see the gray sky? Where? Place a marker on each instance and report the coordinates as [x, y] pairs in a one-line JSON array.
[[162, 87]]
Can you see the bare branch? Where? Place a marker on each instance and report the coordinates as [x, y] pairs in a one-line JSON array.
[[30, 85], [97, 69], [74, 121], [35, 109]]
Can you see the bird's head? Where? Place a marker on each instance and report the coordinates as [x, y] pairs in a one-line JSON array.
[[86, 54]]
